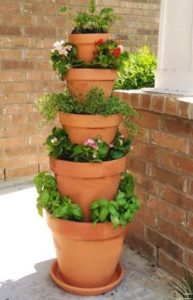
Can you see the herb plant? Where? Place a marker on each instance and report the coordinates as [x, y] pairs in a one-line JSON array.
[[185, 288], [137, 70], [119, 211], [50, 199], [93, 150], [92, 21], [95, 104]]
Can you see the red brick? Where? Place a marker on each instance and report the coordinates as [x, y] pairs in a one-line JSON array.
[[18, 109], [142, 246], [183, 164], [160, 241], [9, 30], [149, 120], [13, 98], [41, 75], [178, 126], [128, 96], [14, 7], [10, 54], [36, 8], [147, 151], [191, 187], [170, 264], [159, 104], [37, 54], [171, 106], [150, 217], [18, 19], [43, 167], [166, 176], [10, 163], [2, 174], [190, 222], [136, 165], [14, 131], [169, 141], [189, 259], [177, 198], [40, 31], [18, 87], [145, 101], [21, 172], [12, 76], [142, 194], [185, 110], [14, 64], [163, 208], [18, 150], [148, 184], [143, 135], [176, 233], [13, 142]]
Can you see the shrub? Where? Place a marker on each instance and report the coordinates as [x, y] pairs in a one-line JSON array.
[[138, 71]]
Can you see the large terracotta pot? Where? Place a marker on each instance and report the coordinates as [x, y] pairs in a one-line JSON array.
[[82, 127], [87, 182], [87, 256], [85, 44], [80, 81]]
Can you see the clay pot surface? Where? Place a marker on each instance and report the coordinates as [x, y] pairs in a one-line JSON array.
[[82, 127], [80, 81], [87, 255], [85, 44], [88, 182]]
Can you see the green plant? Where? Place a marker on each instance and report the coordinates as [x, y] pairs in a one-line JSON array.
[[63, 57], [50, 199], [137, 71], [185, 289], [95, 104], [93, 150], [92, 21], [119, 211], [109, 54]]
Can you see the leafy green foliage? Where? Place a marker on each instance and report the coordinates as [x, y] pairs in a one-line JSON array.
[[58, 144], [63, 58], [95, 104], [93, 150], [109, 55], [50, 199], [185, 289], [119, 211], [92, 21], [137, 71]]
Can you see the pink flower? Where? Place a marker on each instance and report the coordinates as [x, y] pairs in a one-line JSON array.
[[111, 145], [90, 143]]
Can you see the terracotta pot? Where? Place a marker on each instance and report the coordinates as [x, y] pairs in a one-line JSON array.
[[87, 255], [80, 81], [86, 44], [82, 127], [87, 182]]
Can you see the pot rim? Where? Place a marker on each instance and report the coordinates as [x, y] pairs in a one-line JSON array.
[[88, 170], [87, 38], [91, 74], [89, 121], [84, 231]]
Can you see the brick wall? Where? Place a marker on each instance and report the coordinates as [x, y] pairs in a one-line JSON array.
[[162, 162], [28, 30]]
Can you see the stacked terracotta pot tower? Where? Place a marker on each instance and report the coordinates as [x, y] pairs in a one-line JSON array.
[[88, 255]]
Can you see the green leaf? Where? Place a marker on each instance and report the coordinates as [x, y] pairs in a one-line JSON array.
[[103, 214]]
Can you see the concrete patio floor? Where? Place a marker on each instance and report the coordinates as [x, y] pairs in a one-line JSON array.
[[26, 252]]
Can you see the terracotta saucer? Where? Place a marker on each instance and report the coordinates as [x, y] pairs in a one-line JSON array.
[[58, 279]]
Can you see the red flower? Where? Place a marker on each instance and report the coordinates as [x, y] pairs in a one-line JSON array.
[[99, 42], [117, 52]]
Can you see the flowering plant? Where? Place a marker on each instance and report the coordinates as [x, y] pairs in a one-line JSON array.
[[109, 54], [93, 150], [63, 57]]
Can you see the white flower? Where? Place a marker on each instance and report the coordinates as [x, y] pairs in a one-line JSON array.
[[54, 140], [121, 48]]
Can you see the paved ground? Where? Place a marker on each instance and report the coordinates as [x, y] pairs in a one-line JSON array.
[[26, 252]]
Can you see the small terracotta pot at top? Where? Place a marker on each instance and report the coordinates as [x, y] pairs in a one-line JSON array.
[[85, 44], [82, 127], [88, 182], [87, 255], [80, 81]]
